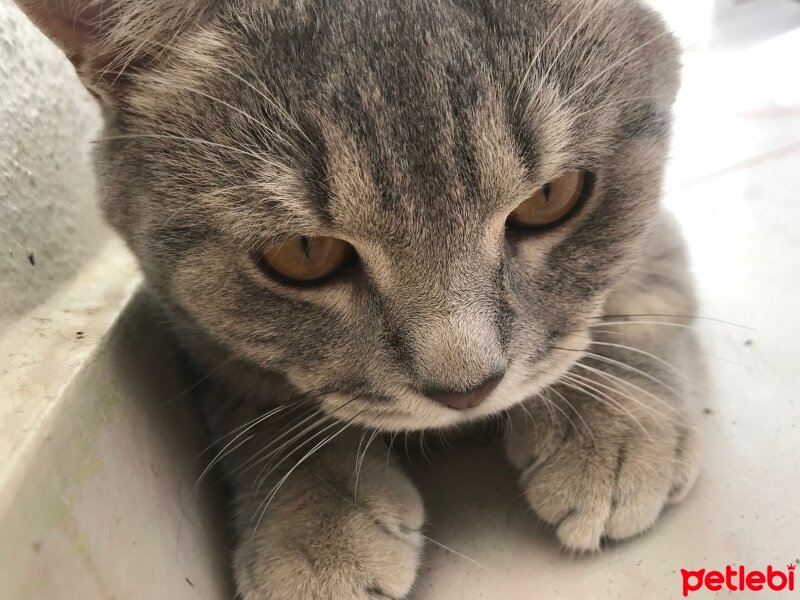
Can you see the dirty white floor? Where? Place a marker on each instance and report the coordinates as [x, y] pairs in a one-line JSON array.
[[734, 183]]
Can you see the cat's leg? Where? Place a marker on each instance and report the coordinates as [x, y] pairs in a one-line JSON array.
[[323, 532], [602, 453]]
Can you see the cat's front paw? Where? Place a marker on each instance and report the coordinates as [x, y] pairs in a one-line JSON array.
[[601, 474], [320, 540]]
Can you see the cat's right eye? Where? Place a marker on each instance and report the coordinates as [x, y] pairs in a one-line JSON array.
[[552, 203], [307, 260]]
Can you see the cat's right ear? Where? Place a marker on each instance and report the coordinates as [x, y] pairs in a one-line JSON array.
[[109, 40]]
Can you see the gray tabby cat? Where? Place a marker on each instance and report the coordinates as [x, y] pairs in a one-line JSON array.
[[370, 216]]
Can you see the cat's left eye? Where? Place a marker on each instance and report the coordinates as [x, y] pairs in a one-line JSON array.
[[552, 202], [306, 260]]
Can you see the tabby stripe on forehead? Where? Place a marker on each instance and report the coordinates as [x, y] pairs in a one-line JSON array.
[[463, 96], [316, 170], [349, 103]]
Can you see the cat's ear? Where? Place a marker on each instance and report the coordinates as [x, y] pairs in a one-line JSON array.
[[108, 40]]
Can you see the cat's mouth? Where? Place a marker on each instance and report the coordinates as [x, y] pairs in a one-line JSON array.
[[406, 410]]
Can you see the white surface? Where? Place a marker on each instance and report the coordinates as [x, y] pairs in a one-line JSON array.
[[733, 182], [98, 448], [100, 452], [47, 202]]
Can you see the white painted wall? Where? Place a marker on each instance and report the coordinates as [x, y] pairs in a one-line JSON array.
[[47, 201]]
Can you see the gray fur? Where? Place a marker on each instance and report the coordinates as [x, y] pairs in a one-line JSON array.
[[410, 129]]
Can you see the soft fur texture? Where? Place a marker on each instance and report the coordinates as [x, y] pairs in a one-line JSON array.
[[410, 129]]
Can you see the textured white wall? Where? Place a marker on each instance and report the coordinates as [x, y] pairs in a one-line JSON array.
[[47, 203]]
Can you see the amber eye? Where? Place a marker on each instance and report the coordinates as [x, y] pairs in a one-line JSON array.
[[551, 203], [307, 259]]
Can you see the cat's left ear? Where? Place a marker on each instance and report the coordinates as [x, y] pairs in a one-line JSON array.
[[106, 40]]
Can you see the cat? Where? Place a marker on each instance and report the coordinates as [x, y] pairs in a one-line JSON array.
[[372, 216]]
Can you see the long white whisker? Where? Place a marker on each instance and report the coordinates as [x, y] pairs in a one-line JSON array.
[[222, 453], [575, 410], [589, 386], [663, 323], [549, 400], [621, 391], [658, 359], [617, 381], [360, 462], [305, 457], [628, 367], [303, 418], [262, 477], [673, 316], [457, 553]]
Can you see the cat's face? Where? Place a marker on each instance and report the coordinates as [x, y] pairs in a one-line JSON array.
[[409, 131]]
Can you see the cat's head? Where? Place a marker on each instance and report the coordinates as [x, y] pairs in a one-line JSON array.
[[393, 204]]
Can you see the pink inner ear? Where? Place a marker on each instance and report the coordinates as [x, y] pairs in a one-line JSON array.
[[69, 26], [72, 36]]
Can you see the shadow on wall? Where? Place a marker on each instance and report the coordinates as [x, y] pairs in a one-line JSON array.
[[49, 223], [726, 24], [748, 22]]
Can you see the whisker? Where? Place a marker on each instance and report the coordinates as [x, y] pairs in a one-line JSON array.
[[224, 452], [360, 463], [549, 401], [662, 323], [589, 386], [422, 535], [575, 410], [390, 448], [305, 457], [313, 411], [599, 4], [692, 317], [538, 53], [616, 381], [645, 336], [244, 425], [269, 458], [198, 383], [613, 65], [650, 355], [457, 553], [257, 457], [628, 367], [550, 413], [528, 413], [622, 392]]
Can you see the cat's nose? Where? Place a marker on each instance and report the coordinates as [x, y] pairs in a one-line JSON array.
[[469, 399]]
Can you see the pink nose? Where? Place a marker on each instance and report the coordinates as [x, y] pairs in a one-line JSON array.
[[469, 399]]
